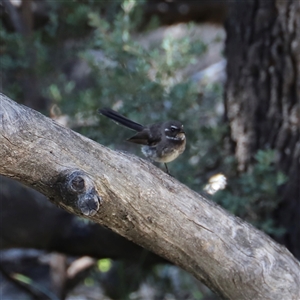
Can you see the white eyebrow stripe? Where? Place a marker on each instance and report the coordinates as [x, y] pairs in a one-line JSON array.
[[174, 127]]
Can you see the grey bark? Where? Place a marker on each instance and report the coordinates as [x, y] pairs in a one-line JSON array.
[[145, 205], [263, 95]]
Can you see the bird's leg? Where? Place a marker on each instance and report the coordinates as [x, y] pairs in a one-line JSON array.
[[167, 169]]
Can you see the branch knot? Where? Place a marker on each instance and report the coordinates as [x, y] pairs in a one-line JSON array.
[[78, 191]]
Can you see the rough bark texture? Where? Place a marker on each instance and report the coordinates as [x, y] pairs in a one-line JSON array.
[[263, 94], [145, 205]]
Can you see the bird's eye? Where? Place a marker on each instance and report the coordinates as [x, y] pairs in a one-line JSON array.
[[172, 129]]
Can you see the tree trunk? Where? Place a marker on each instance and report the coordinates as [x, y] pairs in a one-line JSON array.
[[263, 95], [145, 205]]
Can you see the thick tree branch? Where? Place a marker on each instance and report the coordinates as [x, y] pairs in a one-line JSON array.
[[145, 205]]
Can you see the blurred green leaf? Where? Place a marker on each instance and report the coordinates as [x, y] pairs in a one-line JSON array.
[[104, 265]]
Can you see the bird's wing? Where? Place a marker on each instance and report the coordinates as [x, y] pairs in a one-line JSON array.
[[144, 139]]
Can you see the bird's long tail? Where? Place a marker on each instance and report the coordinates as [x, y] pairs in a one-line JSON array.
[[109, 113]]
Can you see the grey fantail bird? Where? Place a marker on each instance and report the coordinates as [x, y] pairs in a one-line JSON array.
[[162, 142]]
